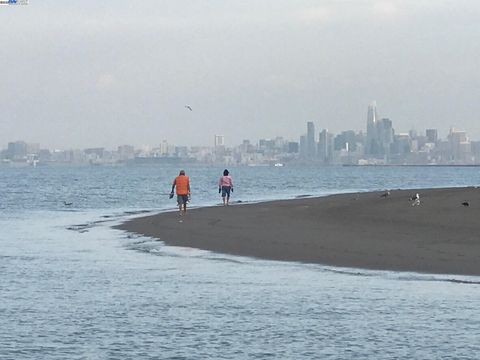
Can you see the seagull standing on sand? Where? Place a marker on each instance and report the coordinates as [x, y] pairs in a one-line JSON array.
[[188, 107], [415, 199], [385, 194]]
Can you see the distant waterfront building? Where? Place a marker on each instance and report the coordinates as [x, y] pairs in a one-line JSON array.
[[475, 149], [246, 147], [266, 144], [459, 145], [164, 149], [98, 152], [346, 140], [311, 148], [371, 142], [219, 140], [279, 143], [325, 147], [126, 152], [293, 147], [385, 135], [432, 135], [44, 155], [303, 146], [413, 134], [401, 144], [219, 150], [33, 148], [17, 150]]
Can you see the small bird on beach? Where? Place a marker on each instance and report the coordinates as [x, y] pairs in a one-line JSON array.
[[67, 203], [385, 194], [188, 107], [415, 199], [465, 203]]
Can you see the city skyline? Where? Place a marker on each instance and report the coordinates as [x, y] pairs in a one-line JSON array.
[[380, 144], [89, 73], [161, 142], [310, 137]]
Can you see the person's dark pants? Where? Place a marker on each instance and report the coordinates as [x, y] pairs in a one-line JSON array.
[[226, 191]]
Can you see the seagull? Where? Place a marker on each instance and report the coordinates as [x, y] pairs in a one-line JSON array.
[[385, 194], [67, 203], [188, 107], [415, 199], [465, 203]]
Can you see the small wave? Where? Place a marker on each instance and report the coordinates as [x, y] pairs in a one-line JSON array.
[[426, 278], [351, 272], [303, 196], [18, 257], [462, 281], [80, 227], [136, 212], [402, 276], [224, 259], [108, 218]]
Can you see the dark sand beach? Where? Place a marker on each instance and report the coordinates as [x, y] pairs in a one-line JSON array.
[[362, 230]]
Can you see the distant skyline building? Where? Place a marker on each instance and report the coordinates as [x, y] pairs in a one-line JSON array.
[[292, 147], [164, 147], [346, 140], [385, 135], [311, 144], [17, 150], [325, 147], [371, 143], [459, 145], [432, 135], [125, 152], [303, 146], [219, 140]]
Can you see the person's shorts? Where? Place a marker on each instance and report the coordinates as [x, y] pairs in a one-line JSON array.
[[225, 191], [182, 199]]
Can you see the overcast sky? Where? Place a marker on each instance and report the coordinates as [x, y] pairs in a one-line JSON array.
[[105, 73]]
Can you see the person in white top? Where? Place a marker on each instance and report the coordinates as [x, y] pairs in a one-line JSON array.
[[225, 186]]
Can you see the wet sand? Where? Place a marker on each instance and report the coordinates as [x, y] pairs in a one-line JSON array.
[[362, 230]]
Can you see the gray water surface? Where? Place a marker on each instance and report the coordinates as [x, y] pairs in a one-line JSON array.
[[71, 287]]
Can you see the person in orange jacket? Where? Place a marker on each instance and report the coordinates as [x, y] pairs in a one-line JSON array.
[[182, 185]]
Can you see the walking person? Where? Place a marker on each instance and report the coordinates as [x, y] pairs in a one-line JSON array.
[[225, 186], [182, 186]]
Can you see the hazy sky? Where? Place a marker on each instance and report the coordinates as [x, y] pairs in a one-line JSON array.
[[104, 73]]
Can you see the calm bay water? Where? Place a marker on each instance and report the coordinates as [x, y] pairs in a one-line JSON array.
[[73, 288]]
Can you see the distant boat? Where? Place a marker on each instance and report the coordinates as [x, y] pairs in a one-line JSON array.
[[278, 164]]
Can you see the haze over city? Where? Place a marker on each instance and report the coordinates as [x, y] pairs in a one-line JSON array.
[[121, 72]]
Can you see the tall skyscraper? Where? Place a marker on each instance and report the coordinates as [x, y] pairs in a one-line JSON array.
[[303, 146], [311, 148], [325, 147], [219, 140], [459, 144], [385, 134], [432, 135], [371, 143]]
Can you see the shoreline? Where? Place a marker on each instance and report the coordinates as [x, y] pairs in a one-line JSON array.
[[353, 230]]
